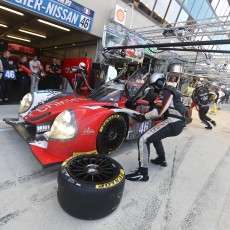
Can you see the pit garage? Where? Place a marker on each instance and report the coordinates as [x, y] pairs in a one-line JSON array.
[[47, 29]]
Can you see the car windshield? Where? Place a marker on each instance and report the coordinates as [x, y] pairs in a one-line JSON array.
[[135, 82], [109, 92]]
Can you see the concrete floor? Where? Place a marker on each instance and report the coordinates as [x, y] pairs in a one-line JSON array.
[[193, 192]]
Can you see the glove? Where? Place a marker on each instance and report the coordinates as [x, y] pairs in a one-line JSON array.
[[130, 105], [138, 117]]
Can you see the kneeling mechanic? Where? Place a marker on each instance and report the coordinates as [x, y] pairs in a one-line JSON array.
[[169, 105]]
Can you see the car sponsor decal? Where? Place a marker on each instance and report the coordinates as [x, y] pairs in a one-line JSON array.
[[107, 120], [45, 107], [112, 183], [44, 127], [88, 131]]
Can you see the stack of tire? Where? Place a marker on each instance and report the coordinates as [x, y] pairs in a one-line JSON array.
[[90, 186]]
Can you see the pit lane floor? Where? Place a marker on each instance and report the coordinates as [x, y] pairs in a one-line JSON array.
[[193, 192]]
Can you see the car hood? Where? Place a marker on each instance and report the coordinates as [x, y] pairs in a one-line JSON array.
[[49, 111]]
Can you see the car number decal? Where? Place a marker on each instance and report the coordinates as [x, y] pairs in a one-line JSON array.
[[143, 127]]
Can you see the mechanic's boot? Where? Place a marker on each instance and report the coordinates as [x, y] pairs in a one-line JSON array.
[[141, 174], [213, 122], [159, 161]]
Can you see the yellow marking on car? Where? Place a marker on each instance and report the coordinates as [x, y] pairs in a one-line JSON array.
[[84, 153], [112, 183]]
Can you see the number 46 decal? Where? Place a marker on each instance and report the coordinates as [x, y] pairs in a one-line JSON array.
[[84, 22], [144, 126]]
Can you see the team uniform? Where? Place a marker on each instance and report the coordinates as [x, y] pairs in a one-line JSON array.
[[35, 67], [169, 106], [172, 125], [24, 80], [5, 84], [202, 98]]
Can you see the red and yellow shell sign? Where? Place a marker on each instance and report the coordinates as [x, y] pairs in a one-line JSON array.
[[120, 15]]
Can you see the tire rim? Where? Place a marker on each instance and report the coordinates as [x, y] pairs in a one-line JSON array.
[[113, 135], [92, 169]]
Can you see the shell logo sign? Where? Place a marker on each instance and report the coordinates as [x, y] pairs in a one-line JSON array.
[[120, 15]]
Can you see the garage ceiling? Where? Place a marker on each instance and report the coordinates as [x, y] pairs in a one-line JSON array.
[[29, 22]]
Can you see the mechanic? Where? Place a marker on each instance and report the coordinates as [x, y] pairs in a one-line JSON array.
[[78, 80], [169, 104], [24, 78], [202, 97], [7, 74], [35, 67], [54, 74]]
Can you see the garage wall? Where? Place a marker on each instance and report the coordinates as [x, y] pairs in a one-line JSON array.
[[104, 9], [79, 52]]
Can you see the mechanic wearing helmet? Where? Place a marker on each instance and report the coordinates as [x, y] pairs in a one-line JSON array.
[[169, 105], [79, 77], [202, 98]]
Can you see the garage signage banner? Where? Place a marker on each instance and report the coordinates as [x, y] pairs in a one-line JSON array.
[[20, 48], [65, 11]]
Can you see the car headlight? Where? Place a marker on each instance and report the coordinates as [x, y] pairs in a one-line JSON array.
[[26, 103], [64, 126]]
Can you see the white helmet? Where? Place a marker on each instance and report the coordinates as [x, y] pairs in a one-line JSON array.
[[82, 65], [199, 84], [158, 80]]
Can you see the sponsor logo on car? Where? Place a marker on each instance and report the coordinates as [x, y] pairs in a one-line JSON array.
[[88, 131]]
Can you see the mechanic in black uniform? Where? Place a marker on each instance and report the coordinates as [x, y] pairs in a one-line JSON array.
[[24, 78], [169, 104], [202, 97], [5, 84], [55, 72]]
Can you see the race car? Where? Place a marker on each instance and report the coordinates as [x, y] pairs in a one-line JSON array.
[[98, 123]]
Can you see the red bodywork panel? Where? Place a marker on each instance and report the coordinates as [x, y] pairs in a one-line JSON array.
[[55, 151]]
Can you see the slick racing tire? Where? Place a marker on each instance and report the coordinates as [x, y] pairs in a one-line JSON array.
[[90, 186], [111, 134]]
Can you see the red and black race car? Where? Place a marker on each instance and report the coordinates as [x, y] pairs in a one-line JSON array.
[[98, 123]]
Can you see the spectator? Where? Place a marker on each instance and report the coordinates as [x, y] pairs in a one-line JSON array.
[[24, 78], [7, 74], [35, 67], [172, 82], [220, 94]]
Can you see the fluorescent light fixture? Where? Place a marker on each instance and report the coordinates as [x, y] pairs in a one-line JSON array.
[[54, 25], [10, 10], [15, 37], [32, 33], [2, 25]]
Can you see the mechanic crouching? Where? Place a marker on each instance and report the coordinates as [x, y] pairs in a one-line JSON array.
[[169, 105]]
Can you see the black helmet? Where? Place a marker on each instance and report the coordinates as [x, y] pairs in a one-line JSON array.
[[158, 80]]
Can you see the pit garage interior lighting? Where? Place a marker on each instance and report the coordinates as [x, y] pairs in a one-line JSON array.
[[32, 33], [2, 25], [12, 11], [18, 38], [54, 25]]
